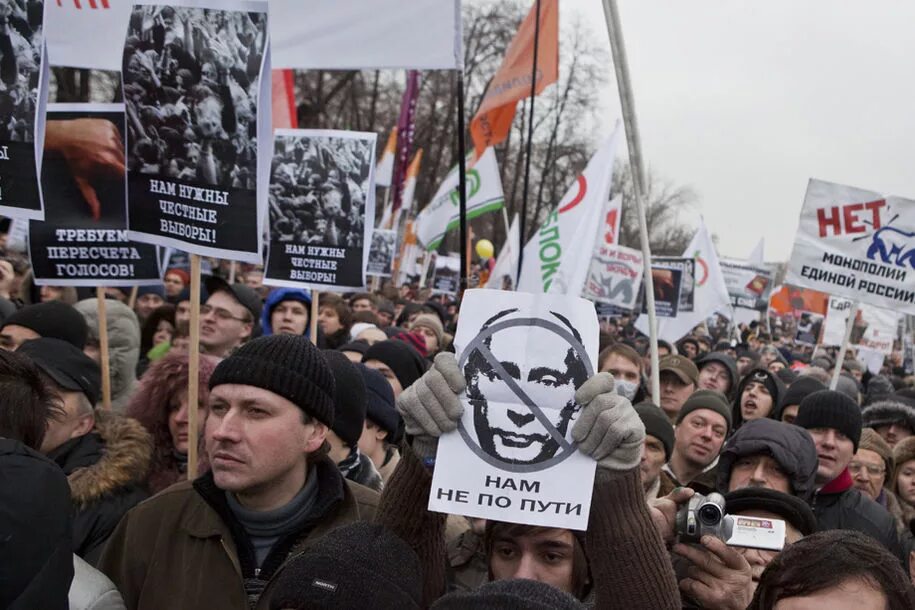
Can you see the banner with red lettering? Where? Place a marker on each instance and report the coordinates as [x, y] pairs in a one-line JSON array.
[[857, 244]]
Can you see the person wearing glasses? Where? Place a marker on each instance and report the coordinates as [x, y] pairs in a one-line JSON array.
[[228, 318], [871, 468]]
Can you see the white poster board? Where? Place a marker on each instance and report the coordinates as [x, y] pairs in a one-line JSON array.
[[512, 457]]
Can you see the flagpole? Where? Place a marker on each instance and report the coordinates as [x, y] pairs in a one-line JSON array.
[[530, 137], [620, 64], [462, 180]]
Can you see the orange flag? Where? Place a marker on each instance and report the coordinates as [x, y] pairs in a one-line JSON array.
[[512, 82]]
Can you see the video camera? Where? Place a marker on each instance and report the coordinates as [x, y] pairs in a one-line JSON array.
[[705, 515]]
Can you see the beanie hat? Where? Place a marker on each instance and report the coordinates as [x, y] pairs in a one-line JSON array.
[[707, 399], [181, 273], [796, 392], [872, 441], [888, 412], [360, 565], [905, 396], [773, 384], [723, 359], [878, 388], [359, 347], [517, 594], [380, 408], [157, 289], [288, 365], [657, 425], [831, 409], [414, 340], [358, 327], [407, 364], [431, 322], [350, 397], [790, 508], [53, 319], [848, 386], [903, 452], [787, 376]]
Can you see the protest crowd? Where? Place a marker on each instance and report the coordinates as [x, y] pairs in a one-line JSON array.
[[317, 455], [227, 381]]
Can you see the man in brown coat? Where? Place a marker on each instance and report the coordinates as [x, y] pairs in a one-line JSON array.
[[222, 540]]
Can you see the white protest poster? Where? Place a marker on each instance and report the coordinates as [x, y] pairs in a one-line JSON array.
[[321, 193], [748, 284], [83, 241], [24, 76], [512, 457], [615, 276], [197, 89], [856, 244], [381, 253], [446, 278], [87, 33], [874, 328]]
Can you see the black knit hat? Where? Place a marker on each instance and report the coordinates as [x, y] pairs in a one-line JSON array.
[[407, 364], [360, 565], [350, 397], [831, 409], [796, 392], [514, 594], [791, 509], [380, 407], [657, 425], [707, 399], [288, 365], [53, 319]]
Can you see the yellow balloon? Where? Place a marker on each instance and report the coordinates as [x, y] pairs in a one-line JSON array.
[[485, 248]]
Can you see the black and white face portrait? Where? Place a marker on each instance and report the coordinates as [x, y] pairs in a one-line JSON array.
[[20, 68], [502, 386]]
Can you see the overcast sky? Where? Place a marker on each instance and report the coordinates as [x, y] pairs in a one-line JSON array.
[[744, 101]]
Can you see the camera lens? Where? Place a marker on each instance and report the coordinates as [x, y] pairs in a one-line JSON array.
[[709, 514]]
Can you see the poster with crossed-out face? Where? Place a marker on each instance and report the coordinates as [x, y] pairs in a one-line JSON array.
[[512, 457]]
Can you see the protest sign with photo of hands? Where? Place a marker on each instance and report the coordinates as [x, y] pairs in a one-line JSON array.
[[84, 240], [197, 89], [512, 457], [321, 193], [24, 79]]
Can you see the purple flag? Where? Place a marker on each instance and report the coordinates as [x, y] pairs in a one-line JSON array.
[[405, 130]]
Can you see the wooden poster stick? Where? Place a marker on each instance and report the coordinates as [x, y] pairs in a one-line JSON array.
[[313, 319], [104, 362], [132, 301], [193, 369]]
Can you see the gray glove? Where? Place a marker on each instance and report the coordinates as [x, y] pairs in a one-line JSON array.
[[430, 407], [608, 428]]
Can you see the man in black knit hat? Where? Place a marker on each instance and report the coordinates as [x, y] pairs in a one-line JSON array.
[[221, 540], [53, 319], [834, 421]]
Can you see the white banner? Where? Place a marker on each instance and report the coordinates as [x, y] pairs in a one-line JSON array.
[[484, 194], [615, 276], [512, 457], [857, 244], [749, 284], [319, 34], [557, 258]]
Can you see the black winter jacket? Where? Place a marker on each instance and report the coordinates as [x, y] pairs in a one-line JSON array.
[[105, 469]]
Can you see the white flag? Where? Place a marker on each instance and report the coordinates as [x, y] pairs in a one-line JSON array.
[[558, 256], [711, 292], [384, 170], [507, 261], [756, 256], [484, 194]]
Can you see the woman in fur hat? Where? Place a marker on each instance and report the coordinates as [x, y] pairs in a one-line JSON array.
[[903, 482], [160, 404]]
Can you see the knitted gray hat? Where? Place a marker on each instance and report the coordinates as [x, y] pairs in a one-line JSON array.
[[288, 365]]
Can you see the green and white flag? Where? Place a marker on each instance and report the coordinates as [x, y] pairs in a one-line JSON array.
[[484, 194]]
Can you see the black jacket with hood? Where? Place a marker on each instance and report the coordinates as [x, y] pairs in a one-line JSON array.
[[737, 416], [106, 470], [36, 563]]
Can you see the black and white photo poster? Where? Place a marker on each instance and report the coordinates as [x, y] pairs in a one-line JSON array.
[[23, 96], [321, 206], [196, 79], [381, 253], [84, 240], [446, 279], [512, 457]]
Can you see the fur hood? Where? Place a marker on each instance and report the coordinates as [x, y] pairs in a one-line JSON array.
[[123, 345], [124, 459], [887, 412]]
